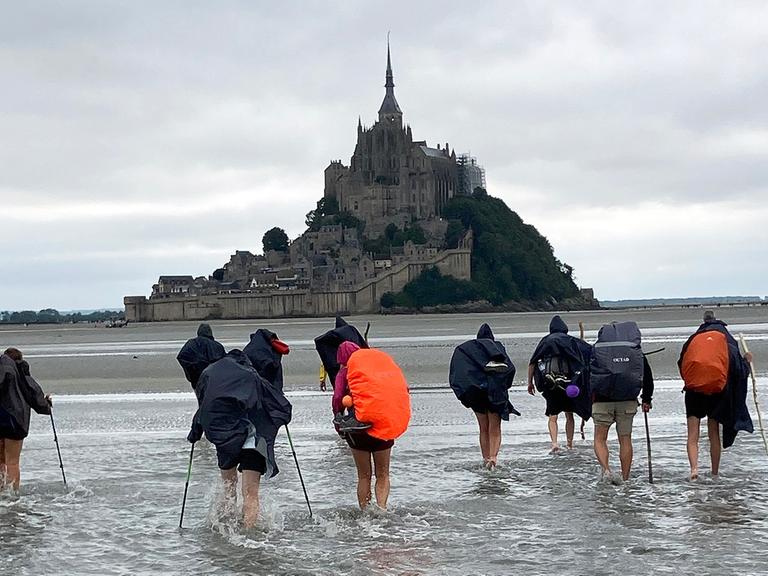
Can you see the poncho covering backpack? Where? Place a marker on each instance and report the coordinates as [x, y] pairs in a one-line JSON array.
[[379, 393], [617, 362], [704, 366]]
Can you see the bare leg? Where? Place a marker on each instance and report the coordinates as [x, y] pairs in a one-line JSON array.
[[693, 445], [229, 477], [601, 447], [482, 421], [552, 424], [2, 464], [494, 437], [251, 480], [713, 427], [625, 455], [363, 465], [570, 427], [381, 464], [12, 460]]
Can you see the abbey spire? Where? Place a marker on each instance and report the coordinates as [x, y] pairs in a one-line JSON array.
[[389, 107]]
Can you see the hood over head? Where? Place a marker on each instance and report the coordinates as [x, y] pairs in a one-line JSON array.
[[340, 322], [485, 332], [557, 324], [205, 331], [346, 349]]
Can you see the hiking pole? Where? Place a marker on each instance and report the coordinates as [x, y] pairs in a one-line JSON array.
[[754, 392], [301, 479], [58, 450], [583, 422], [365, 336], [186, 484], [648, 443], [654, 352]]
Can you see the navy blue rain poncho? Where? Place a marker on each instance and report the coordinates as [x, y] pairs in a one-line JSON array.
[[328, 344], [558, 343], [198, 353], [266, 360], [18, 393], [731, 411], [231, 394], [474, 386]]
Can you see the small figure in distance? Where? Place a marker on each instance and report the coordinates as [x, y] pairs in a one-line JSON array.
[[198, 353], [619, 372], [18, 393], [481, 374], [559, 368], [715, 376]]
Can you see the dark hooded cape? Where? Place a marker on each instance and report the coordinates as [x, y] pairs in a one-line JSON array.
[[474, 387], [18, 393], [231, 394], [266, 360], [558, 343], [731, 411], [328, 344], [197, 354]]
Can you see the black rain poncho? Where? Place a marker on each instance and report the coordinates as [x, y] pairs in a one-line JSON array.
[[199, 353], [264, 358], [18, 393], [558, 343], [328, 344], [232, 395], [474, 386], [731, 411]]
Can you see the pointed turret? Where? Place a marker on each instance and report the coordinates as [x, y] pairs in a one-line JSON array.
[[389, 107]]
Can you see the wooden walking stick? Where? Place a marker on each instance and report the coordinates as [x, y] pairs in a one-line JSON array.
[[754, 392], [648, 444]]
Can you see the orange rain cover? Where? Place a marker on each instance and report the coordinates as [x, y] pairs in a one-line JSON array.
[[379, 392], [705, 364]]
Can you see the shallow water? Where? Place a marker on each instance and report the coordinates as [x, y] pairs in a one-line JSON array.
[[126, 461], [536, 514]]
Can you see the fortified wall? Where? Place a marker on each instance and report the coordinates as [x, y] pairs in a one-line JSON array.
[[363, 299]]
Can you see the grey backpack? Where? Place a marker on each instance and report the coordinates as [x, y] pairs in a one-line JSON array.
[[617, 367]]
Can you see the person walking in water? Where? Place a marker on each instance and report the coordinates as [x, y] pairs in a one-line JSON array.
[[381, 410], [19, 393], [198, 353], [619, 372], [481, 374], [559, 369], [715, 376], [240, 412]]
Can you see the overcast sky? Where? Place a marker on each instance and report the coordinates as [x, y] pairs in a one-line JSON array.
[[148, 138]]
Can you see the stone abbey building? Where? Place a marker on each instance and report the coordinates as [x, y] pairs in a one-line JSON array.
[[391, 179]]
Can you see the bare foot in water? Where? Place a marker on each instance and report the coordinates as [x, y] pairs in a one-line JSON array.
[[694, 474], [555, 449]]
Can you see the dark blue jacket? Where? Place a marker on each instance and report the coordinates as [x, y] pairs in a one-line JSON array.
[[198, 353], [328, 344]]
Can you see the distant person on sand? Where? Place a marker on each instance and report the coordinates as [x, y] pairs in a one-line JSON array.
[[715, 376], [240, 413], [380, 412], [619, 372], [481, 374], [559, 369], [18, 393], [198, 353]]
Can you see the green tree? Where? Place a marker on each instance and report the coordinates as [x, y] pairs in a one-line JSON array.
[[275, 239]]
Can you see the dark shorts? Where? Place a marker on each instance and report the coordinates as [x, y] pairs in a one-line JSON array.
[[248, 459], [367, 443], [701, 405], [8, 427], [557, 402]]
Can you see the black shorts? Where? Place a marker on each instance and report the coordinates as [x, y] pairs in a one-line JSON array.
[[367, 443], [701, 405], [557, 402], [248, 459]]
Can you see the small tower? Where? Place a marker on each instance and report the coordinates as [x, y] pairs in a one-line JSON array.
[[390, 112]]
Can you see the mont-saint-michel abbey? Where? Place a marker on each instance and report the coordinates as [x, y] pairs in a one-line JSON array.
[[393, 185]]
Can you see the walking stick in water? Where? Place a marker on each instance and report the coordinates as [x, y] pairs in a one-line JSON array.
[[301, 479], [186, 484], [583, 422], [58, 450], [365, 336], [754, 392], [648, 444]]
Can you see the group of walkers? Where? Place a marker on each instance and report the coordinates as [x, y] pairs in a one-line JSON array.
[[241, 404], [603, 381]]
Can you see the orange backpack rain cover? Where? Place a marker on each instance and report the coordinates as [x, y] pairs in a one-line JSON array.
[[705, 364], [379, 392]]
